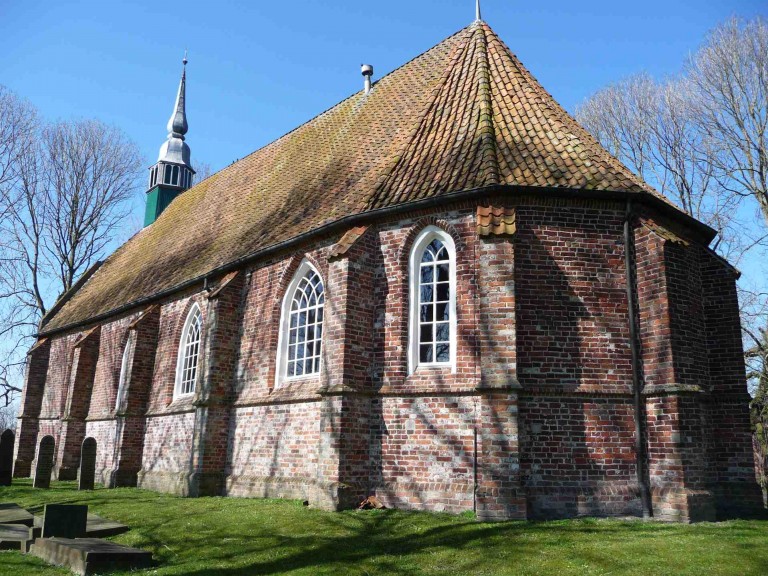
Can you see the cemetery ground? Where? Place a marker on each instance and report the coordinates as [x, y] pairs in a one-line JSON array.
[[233, 536]]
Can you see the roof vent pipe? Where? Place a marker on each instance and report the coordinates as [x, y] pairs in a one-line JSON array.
[[367, 71]]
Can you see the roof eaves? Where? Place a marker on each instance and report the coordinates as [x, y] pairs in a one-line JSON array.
[[705, 233]]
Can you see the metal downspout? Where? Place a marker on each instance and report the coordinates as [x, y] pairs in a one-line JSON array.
[[637, 383]]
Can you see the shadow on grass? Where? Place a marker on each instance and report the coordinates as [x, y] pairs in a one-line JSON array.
[[228, 537]]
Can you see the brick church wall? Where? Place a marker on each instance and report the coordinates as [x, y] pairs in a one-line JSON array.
[[536, 420], [574, 361]]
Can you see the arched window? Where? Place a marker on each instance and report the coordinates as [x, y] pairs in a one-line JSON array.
[[189, 352], [432, 282], [123, 380], [301, 325]]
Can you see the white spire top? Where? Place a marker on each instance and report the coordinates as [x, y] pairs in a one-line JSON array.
[[478, 16], [174, 149]]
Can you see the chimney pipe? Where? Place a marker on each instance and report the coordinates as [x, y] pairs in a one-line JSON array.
[[367, 71]]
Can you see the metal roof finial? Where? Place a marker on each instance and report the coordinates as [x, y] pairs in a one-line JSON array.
[[177, 125], [478, 17]]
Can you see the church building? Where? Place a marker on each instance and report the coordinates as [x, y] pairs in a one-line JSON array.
[[442, 292]]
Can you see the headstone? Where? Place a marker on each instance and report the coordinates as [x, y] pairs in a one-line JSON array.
[[44, 463], [65, 520], [87, 472], [6, 457]]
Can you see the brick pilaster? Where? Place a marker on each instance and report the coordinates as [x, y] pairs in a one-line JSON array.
[[344, 449], [676, 371], [496, 294], [82, 371], [130, 416], [29, 411], [499, 494], [213, 398]]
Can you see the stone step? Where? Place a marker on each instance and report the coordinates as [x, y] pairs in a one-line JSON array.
[[89, 555], [17, 536]]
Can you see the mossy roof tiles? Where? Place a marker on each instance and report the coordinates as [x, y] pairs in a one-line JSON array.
[[463, 115]]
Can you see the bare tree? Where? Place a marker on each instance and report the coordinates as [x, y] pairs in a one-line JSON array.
[[730, 74], [91, 172], [18, 121], [70, 191], [653, 129]]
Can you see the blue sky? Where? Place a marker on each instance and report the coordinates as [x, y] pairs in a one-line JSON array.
[[259, 69]]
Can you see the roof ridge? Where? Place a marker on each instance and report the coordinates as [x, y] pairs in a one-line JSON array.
[[331, 108], [426, 116], [487, 130], [555, 112]]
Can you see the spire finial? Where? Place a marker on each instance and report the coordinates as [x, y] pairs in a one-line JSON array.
[[177, 125], [478, 17]]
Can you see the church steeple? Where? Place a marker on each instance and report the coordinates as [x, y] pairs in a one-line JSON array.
[[173, 172]]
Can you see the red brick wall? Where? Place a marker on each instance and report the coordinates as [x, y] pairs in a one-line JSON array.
[[654, 316], [279, 440], [577, 455], [106, 436], [168, 443], [112, 344], [57, 378], [572, 329], [426, 452], [536, 419], [687, 331]]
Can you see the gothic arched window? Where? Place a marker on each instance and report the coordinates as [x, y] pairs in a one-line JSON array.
[[122, 382], [432, 283], [301, 325], [189, 353]]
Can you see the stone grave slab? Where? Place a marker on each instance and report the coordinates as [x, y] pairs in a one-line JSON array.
[[89, 555], [11, 513], [96, 526], [44, 463], [16, 536], [87, 472], [99, 527], [64, 520], [6, 457]]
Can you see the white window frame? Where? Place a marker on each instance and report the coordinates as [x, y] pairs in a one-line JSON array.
[[121, 382], [281, 369], [192, 316], [425, 237]]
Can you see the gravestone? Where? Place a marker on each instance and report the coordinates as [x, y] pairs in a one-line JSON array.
[[87, 473], [44, 463], [65, 521], [6, 457]]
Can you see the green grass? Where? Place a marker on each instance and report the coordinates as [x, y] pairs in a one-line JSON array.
[[230, 536]]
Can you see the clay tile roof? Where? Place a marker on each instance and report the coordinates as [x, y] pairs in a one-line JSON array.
[[464, 115], [347, 241], [496, 220]]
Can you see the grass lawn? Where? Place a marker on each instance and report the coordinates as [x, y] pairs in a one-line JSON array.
[[230, 536]]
